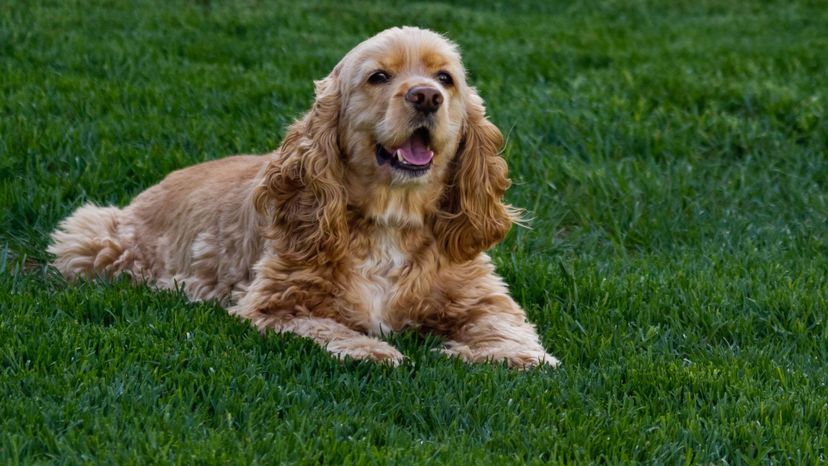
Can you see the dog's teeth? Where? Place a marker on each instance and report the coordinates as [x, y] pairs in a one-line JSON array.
[[399, 156]]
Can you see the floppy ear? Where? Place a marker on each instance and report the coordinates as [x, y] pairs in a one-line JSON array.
[[302, 189], [472, 217]]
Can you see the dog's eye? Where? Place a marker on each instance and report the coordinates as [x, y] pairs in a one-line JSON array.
[[379, 77], [444, 78]]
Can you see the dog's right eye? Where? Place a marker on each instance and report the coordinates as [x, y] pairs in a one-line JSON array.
[[379, 77]]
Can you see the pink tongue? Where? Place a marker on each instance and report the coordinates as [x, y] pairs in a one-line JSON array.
[[415, 151]]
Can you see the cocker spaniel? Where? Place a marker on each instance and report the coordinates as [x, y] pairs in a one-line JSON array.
[[373, 216]]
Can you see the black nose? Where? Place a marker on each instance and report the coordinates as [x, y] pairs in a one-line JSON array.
[[425, 99]]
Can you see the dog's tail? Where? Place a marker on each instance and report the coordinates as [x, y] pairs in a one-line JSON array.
[[86, 243]]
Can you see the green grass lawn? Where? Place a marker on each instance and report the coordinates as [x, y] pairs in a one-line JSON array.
[[673, 156]]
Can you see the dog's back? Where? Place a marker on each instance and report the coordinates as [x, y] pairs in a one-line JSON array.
[[197, 229]]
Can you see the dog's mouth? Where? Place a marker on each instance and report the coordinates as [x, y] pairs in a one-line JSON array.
[[413, 157]]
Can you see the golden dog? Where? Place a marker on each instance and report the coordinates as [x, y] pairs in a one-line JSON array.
[[373, 216]]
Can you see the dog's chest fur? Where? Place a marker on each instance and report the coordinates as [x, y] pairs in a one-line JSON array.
[[378, 272]]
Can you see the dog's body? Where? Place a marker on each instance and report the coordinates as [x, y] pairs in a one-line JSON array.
[[335, 236], [196, 230]]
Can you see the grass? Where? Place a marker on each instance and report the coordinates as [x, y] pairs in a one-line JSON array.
[[673, 156]]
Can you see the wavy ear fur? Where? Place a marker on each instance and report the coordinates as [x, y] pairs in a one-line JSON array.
[[472, 217], [302, 189]]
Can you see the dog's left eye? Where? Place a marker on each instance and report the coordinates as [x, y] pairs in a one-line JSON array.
[[444, 78]]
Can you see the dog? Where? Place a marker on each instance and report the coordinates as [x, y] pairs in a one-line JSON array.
[[373, 216]]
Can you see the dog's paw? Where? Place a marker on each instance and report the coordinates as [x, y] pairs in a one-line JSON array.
[[529, 359], [366, 348], [514, 355]]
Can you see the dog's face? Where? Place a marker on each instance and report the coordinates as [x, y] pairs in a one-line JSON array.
[[397, 137], [402, 107]]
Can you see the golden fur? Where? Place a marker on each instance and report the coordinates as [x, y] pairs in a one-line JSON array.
[[323, 239]]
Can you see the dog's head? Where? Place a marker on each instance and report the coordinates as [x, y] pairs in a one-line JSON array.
[[404, 97], [397, 134]]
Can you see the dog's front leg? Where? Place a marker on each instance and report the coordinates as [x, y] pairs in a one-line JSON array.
[[260, 306], [336, 338], [495, 329]]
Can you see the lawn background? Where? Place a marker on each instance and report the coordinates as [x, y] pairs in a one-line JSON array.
[[672, 155]]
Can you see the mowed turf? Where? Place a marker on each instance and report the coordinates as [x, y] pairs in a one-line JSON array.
[[672, 155]]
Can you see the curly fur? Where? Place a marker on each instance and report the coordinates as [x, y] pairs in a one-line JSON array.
[[321, 238]]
